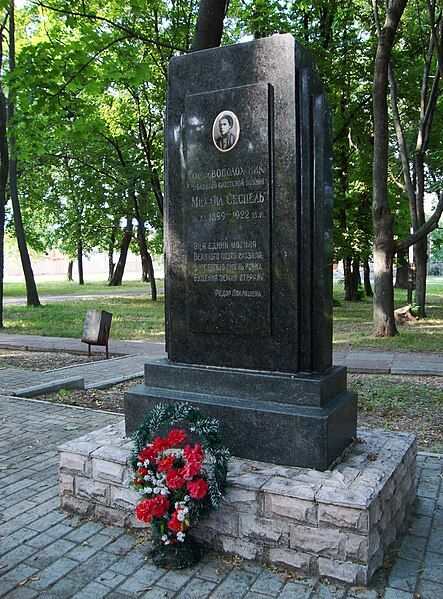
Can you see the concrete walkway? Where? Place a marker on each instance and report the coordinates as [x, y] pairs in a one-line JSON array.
[[363, 361], [49, 554], [50, 299]]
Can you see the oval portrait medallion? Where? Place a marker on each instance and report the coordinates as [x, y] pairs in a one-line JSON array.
[[225, 131]]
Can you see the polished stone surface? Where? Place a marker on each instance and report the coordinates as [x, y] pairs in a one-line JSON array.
[[249, 227]]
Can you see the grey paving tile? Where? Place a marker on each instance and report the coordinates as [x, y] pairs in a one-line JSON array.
[[404, 575], [412, 548], [141, 581], [362, 593], [51, 553], [93, 589], [293, 590], [89, 569], [16, 556], [196, 588], [428, 589], [22, 593], [328, 592], [177, 579], [236, 584], [392, 593], [110, 578], [130, 563], [65, 588], [52, 573], [21, 573], [268, 583], [433, 567]]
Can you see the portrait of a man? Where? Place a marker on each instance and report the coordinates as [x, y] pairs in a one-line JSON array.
[[225, 131]]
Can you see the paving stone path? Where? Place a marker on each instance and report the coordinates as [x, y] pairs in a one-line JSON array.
[[16, 381], [46, 553], [363, 361]]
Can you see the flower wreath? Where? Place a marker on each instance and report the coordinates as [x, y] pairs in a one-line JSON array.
[[179, 483]]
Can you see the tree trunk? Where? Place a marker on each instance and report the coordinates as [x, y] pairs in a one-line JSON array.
[[401, 278], [384, 322], [209, 27], [81, 280], [31, 289], [111, 263], [367, 279], [146, 258], [117, 277], [4, 167], [352, 277], [70, 268], [143, 253], [421, 262]]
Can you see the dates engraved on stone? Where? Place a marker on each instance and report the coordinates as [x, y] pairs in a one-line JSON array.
[[225, 131], [227, 213]]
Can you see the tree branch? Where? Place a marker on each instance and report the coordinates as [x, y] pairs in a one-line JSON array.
[[129, 32], [84, 66], [425, 229]]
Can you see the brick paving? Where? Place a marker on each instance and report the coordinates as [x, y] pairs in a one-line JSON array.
[[46, 553], [16, 381]]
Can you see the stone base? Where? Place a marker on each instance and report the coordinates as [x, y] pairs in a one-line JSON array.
[[303, 420], [336, 524]]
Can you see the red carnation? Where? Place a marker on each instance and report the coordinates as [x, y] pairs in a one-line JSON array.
[[191, 469], [193, 454], [159, 506], [175, 437], [159, 444], [143, 510], [197, 488], [174, 479], [175, 524], [166, 463], [141, 471], [148, 453]]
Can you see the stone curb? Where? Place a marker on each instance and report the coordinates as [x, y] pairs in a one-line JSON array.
[[116, 381], [77, 382], [60, 405], [108, 361]]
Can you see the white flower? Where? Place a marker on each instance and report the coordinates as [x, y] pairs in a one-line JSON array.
[[147, 477], [186, 498], [181, 516], [181, 536], [164, 491], [167, 542], [148, 489], [164, 538], [157, 490], [139, 464]]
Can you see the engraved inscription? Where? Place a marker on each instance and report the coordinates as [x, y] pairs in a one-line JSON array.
[[228, 211]]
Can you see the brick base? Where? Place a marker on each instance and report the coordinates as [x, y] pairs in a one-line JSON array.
[[337, 524]]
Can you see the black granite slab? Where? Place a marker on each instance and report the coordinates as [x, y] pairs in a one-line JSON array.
[[297, 389], [248, 230]]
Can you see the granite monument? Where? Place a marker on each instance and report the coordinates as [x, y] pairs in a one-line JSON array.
[[248, 234]]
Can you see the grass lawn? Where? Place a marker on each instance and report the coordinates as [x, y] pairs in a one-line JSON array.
[[133, 318], [353, 324], [138, 318], [73, 288]]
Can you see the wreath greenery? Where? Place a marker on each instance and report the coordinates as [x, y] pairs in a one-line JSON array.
[[196, 488]]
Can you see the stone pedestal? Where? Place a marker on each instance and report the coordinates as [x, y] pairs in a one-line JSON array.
[[337, 524], [295, 420]]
